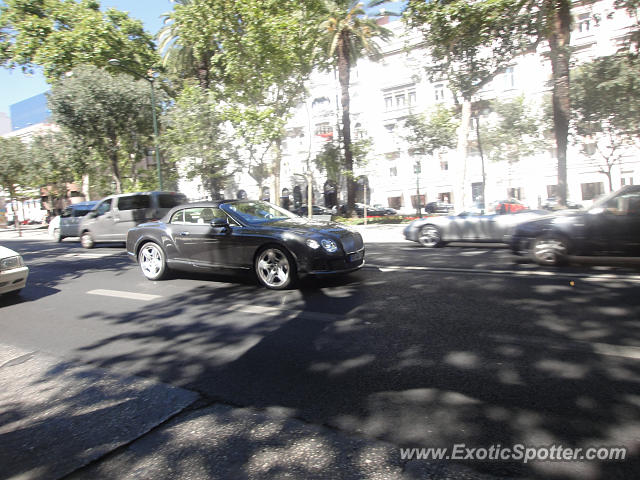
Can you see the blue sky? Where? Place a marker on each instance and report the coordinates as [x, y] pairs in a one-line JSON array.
[[16, 86]]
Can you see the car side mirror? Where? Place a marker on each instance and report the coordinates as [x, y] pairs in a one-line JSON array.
[[219, 223]]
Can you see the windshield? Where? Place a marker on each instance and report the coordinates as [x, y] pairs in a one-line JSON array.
[[258, 212]]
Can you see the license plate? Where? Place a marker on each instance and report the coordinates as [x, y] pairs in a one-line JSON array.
[[355, 256]]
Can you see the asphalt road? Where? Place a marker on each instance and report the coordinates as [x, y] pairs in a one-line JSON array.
[[421, 348]]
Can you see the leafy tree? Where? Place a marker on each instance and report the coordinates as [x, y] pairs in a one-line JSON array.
[[427, 135], [13, 159], [58, 35], [473, 41], [516, 132], [107, 113], [606, 109], [347, 34], [54, 161], [197, 133]]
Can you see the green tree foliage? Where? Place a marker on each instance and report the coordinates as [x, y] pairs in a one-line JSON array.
[[13, 160], [196, 133], [58, 35], [606, 109], [479, 38], [54, 161], [516, 132], [108, 114], [429, 134]]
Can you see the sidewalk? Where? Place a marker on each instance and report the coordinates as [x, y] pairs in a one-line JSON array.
[[61, 419], [28, 232]]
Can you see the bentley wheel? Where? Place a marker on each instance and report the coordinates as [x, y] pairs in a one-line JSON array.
[[86, 240], [430, 236], [152, 261], [549, 250], [275, 268]]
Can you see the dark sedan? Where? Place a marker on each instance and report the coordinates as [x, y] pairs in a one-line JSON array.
[[467, 227], [249, 235], [610, 227]]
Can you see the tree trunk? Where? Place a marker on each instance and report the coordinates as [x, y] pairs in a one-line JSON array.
[[344, 68], [277, 162], [460, 165], [559, 20], [203, 74], [115, 168]]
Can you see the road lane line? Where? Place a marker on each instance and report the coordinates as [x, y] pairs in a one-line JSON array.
[[515, 273], [128, 295], [277, 311], [89, 255], [623, 351]]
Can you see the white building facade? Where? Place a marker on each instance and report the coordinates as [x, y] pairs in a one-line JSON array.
[[384, 93]]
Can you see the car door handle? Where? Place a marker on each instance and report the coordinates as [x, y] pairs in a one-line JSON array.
[[183, 234]]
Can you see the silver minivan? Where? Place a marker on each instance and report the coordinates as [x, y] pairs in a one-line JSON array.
[[113, 216], [70, 219]]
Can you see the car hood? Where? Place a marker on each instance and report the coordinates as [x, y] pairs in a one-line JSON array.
[[307, 227], [556, 218], [7, 252]]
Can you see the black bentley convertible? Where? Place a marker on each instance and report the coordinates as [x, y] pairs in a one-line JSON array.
[[241, 234]]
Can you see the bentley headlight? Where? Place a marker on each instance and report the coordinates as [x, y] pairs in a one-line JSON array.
[[329, 245], [311, 243], [10, 263]]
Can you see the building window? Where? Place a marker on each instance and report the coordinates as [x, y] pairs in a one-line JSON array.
[[509, 78], [476, 192], [514, 192], [439, 92], [395, 202], [445, 197], [399, 97], [583, 25], [552, 191], [415, 199], [591, 190], [393, 172], [392, 156], [444, 165], [324, 130]]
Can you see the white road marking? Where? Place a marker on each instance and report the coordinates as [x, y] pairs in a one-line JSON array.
[[471, 253], [515, 273], [623, 351], [128, 295], [90, 255], [277, 311]]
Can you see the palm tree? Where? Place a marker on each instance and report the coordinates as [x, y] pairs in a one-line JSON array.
[[181, 58], [347, 34]]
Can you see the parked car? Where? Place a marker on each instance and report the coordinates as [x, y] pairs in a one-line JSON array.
[[510, 205], [468, 227], [552, 204], [610, 227], [13, 271], [67, 224], [386, 210], [438, 208], [112, 217], [247, 235], [315, 210]]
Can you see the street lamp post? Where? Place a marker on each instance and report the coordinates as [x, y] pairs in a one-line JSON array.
[[116, 63], [417, 168]]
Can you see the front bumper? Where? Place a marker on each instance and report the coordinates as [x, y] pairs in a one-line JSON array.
[[14, 279], [411, 233], [331, 265]]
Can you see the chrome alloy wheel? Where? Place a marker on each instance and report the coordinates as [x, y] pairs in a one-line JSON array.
[[151, 260], [274, 268], [429, 236], [549, 250]]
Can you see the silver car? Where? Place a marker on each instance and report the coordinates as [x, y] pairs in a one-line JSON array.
[[112, 217], [468, 227], [69, 221]]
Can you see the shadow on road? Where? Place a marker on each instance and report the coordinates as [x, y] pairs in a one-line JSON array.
[[445, 360]]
